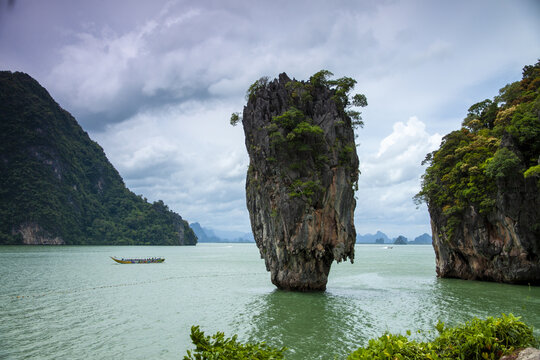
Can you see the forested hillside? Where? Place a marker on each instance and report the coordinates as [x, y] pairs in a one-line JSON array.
[[57, 186], [482, 188]]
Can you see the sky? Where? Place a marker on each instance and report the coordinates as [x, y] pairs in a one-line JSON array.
[[155, 83]]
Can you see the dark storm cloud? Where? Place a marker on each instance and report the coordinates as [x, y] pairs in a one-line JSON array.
[[106, 67], [154, 82]]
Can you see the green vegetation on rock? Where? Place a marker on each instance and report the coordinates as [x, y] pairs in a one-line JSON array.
[[302, 175], [296, 140], [57, 186], [253, 88], [498, 142], [342, 87]]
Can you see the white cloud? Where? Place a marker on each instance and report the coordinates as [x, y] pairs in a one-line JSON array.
[[391, 177], [399, 155], [92, 72], [189, 156]]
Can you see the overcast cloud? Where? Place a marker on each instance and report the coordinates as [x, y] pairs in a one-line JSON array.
[[155, 83]]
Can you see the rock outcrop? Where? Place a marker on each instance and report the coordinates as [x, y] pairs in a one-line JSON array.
[[483, 189], [502, 246], [301, 179], [33, 234], [523, 354]]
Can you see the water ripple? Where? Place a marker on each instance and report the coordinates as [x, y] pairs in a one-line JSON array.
[[74, 303]]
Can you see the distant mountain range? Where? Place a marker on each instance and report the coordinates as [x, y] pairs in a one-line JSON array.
[[372, 238], [381, 238], [422, 240], [207, 235]]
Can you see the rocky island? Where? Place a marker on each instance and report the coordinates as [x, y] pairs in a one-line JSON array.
[[482, 188], [302, 175], [57, 186]]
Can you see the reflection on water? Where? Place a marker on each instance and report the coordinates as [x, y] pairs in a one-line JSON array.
[[308, 323], [463, 299], [319, 325]]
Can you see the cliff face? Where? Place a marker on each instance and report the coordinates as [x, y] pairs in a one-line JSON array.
[[300, 182], [57, 186], [33, 234], [483, 189], [503, 246]]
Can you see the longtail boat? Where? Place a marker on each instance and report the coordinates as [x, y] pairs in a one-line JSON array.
[[139, 261]]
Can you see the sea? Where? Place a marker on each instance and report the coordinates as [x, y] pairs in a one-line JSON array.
[[75, 302]]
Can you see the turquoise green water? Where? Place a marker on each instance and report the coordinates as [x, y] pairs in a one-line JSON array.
[[76, 303]]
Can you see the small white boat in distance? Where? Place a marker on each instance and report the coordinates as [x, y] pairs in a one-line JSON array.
[[388, 247]]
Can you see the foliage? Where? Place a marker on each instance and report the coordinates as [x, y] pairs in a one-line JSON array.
[[483, 339], [532, 171], [342, 88], [299, 151], [464, 171], [359, 100], [391, 347], [306, 190], [503, 164], [320, 78], [481, 116], [55, 176], [475, 340], [289, 119], [294, 137], [235, 118], [345, 153], [303, 93], [341, 93], [218, 347], [256, 86]]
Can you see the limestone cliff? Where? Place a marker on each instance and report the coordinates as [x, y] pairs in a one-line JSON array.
[[33, 234], [301, 178], [483, 189], [502, 246]]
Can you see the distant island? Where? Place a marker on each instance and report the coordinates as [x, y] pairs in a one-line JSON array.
[[207, 235], [57, 187], [381, 238]]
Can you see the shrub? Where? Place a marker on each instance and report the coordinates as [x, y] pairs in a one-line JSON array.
[[256, 86], [393, 347], [483, 339], [475, 340], [219, 347], [503, 163]]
